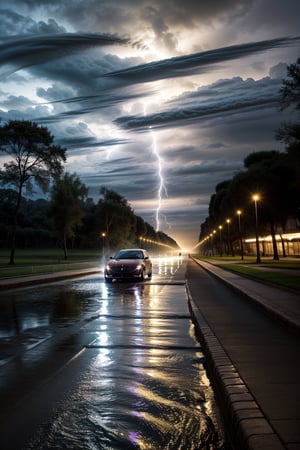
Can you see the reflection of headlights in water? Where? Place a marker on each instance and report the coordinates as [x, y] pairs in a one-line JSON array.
[[104, 292], [137, 294], [168, 264]]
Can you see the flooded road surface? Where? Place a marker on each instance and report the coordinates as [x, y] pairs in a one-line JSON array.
[[96, 366]]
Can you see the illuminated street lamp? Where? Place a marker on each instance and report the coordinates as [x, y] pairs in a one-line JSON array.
[[255, 198], [214, 232], [228, 234], [211, 244], [103, 234], [220, 228], [239, 213]]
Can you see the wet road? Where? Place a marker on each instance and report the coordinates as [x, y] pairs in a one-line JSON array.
[[86, 365]]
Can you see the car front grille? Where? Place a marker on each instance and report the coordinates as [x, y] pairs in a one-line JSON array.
[[124, 270]]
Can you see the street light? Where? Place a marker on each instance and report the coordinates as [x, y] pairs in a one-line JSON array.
[[214, 232], [103, 234], [255, 198], [228, 234], [220, 228], [239, 213]]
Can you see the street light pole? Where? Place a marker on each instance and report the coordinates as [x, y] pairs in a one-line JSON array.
[[228, 235], [214, 232], [103, 243], [239, 212], [256, 198], [220, 228]]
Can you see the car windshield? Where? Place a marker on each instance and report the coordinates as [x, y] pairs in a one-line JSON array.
[[130, 254]]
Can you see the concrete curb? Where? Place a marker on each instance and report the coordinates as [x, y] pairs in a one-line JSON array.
[[248, 427]]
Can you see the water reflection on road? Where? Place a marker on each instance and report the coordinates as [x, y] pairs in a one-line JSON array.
[[141, 381]]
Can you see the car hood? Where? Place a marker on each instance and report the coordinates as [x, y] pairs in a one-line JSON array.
[[118, 262]]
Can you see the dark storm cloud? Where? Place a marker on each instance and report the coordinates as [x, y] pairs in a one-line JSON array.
[[92, 104], [30, 50], [13, 101], [207, 167], [198, 62], [161, 18], [224, 98], [190, 115], [125, 177], [13, 23], [81, 143], [171, 12], [113, 92]]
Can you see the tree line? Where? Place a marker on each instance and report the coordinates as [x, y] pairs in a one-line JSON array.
[[70, 217], [273, 175]]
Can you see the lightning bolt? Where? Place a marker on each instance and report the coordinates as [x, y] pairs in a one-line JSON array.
[[161, 185]]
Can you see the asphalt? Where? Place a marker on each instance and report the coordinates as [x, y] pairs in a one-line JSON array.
[[251, 348], [251, 339]]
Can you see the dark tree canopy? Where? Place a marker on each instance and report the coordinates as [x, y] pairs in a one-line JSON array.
[[272, 175], [289, 132], [290, 90], [34, 160], [67, 206], [257, 158], [115, 218]]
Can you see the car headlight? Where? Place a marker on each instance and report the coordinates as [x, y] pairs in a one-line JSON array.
[[138, 267], [108, 268]]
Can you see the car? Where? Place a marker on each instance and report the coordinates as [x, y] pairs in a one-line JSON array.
[[129, 263]]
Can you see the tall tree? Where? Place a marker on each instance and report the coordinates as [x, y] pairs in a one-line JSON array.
[[116, 219], [289, 133], [34, 160], [67, 206], [290, 90]]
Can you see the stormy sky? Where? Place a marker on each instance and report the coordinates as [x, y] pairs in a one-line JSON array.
[[158, 98]]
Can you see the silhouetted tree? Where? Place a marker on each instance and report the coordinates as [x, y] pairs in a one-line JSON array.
[[34, 160], [116, 219], [67, 206], [289, 133], [267, 173], [290, 90]]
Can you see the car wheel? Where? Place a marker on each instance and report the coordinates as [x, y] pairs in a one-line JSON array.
[[142, 274], [150, 275]]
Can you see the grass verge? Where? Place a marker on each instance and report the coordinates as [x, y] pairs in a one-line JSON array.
[[279, 278], [282, 273], [30, 262]]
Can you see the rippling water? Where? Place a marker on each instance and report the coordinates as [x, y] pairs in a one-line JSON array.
[[140, 382], [137, 399], [145, 386]]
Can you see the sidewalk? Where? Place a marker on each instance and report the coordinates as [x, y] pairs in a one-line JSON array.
[[16, 282], [253, 361], [280, 303]]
